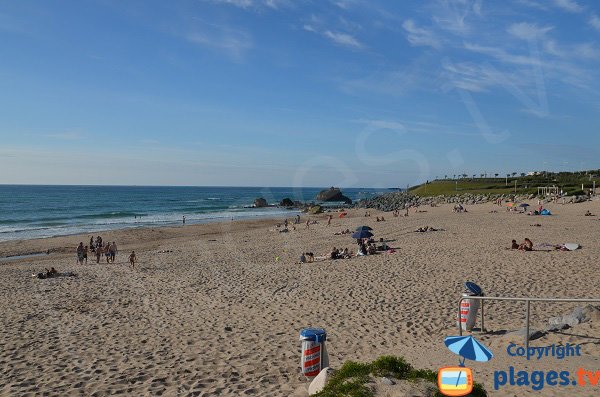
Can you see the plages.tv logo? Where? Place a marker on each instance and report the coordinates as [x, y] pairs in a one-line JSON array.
[[458, 380]]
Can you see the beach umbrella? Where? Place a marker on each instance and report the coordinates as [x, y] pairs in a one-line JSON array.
[[511, 204], [343, 214], [358, 229], [524, 205], [362, 234], [468, 348]]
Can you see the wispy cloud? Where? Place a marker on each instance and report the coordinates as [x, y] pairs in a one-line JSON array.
[[595, 21], [569, 5], [340, 38], [233, 43], [528, 31], [247, 4], [451, 15], [420, 36]]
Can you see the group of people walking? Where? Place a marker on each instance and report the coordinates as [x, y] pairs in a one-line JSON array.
[[98, 248]]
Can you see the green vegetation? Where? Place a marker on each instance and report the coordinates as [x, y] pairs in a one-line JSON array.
[[352, 378], [568, 182]]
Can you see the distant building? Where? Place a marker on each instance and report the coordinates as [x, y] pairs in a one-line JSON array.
[[534, 173]]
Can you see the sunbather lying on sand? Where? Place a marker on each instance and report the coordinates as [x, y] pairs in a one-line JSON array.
[[588, 213], [53, 273], [526, 245], [427, 229]]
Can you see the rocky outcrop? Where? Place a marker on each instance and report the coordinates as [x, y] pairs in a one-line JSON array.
[[401, 200], [260, 202], [286, 202], [333, 194], [316, 209]]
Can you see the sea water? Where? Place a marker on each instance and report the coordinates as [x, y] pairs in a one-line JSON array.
[[33, 211]]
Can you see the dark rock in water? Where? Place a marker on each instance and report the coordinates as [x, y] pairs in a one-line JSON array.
[[286, 202], [260, 202], [333, 194]]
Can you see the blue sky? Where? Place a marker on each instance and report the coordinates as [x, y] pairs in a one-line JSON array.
[[295, 93]]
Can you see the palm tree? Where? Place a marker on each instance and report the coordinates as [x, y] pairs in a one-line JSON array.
[[496, 175], [523, 174], [514, 173], [445, 176]]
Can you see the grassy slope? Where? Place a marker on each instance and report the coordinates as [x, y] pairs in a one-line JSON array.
[[569, 182]]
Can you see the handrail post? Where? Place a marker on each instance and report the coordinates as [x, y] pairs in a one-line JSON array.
[[527, 326], [482, 324], [458, 320]]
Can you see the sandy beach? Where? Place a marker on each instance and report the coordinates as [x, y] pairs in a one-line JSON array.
[[215, 309]]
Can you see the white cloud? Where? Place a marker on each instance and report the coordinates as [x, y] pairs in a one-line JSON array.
[[419, 36], [451, 15], [310, 28], [247, 4], [568, 5], [342, 39], [502, 55], [595, 21], [237, 3], [233, 43], [528, 31]]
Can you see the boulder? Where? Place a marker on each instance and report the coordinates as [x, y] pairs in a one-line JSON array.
[[333, 194], [286, 202], [320, 381], [260, 202], [315, 209]]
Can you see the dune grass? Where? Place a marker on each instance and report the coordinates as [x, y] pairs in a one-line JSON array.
[[352, 378]]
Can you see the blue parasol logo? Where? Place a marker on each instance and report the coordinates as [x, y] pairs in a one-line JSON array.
[[468, 348]]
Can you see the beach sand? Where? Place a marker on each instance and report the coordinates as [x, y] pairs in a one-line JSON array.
[[219, 314]]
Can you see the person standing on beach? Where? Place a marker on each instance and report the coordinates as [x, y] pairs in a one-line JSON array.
[[184, 219], [113, 252], [107, 252], [85, 253], [98, 253], [307, 224], [80, 250], [132, 259], [329, 218]]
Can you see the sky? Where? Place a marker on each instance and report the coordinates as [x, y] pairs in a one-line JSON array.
[[351, 93]]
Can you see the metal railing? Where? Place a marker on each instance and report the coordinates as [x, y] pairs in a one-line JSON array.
[[527, 305]]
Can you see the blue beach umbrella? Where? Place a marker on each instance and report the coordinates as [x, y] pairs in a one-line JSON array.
[[524, 205], [468, 348], [362, 234]]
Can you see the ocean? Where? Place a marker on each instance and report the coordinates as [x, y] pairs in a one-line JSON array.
[[33, 211]]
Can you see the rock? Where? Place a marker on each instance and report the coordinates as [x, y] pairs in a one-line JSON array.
[[578, 316], [333, 194], [286, 202], [320, 381], [533, 333], [260, 202], [557, 327], [387, 381], [315, 209]]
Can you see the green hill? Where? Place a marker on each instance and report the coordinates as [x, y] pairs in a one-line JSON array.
[[568, 182]]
